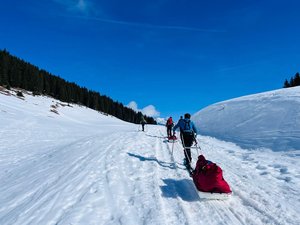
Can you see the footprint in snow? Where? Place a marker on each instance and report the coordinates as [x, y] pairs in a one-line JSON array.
[[260, 167], [264, 173], [282, 169], [286, 179], [247, 157]]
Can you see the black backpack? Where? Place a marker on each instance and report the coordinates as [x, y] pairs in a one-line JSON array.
[[187, 128]]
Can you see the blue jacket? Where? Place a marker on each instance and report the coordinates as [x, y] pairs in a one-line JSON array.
[[182, 123]]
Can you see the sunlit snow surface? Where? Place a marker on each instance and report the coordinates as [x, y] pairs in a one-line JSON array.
[[82, 167], [270, 119]]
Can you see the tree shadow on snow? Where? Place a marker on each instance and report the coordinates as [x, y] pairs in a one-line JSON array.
[[169, 165], [183, 189]]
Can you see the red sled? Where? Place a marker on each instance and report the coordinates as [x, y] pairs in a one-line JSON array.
[[208, 177], [172, 138]]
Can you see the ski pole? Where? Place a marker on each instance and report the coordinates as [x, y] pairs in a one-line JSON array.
[[173, 143], [196, 144], [173, 148]]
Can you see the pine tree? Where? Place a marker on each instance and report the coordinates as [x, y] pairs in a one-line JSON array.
[[286, 84], [297, 79]]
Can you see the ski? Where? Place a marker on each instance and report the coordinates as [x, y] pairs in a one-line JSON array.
[[214, 196], [172, 138]]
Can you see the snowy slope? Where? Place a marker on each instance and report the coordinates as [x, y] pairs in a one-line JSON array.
[[82, 167], [269, 119], [161, 121]]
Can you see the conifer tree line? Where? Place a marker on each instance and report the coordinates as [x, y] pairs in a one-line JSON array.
[[17, 73], [294, 81]]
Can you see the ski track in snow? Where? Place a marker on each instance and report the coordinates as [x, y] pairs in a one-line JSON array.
[[133, 178], [118, 175]]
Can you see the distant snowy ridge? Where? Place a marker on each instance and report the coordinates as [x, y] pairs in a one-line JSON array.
[[265, 120]]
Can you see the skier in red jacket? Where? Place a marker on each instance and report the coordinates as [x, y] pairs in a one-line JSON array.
[[169, 126]]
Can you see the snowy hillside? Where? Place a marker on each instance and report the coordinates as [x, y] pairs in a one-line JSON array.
[[65, 164], [161, 121], [270, 120]]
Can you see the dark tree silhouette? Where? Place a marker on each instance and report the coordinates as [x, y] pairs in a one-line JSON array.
[[294, 81]]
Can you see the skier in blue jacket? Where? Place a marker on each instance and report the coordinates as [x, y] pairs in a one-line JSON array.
[[188, 133]]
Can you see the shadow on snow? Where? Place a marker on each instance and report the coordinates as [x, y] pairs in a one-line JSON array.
[[183, 189], [170, 165], [162, 137]]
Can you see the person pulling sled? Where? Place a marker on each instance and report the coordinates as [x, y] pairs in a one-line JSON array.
[[188, 133]]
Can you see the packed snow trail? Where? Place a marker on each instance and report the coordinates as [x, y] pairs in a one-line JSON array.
[[131, 177], [69, 169]]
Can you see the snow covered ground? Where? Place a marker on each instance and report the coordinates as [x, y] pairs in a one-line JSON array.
[[270, 119], [82, 167]]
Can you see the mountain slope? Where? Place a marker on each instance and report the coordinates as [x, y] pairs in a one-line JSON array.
[[270, 120], [81, 167]]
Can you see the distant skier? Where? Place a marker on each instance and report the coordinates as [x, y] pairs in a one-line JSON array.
[[188, 134], [169, 126], [143, 122]]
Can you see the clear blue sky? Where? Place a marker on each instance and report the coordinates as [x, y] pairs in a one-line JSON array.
[[179, 56]]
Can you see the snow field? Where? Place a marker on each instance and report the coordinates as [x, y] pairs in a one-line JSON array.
[[81, 167], [270, 120]]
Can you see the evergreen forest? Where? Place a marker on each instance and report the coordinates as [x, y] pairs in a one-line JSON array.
[[16, 73]]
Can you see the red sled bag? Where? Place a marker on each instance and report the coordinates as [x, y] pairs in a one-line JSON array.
[[208, 177], [172, 138]]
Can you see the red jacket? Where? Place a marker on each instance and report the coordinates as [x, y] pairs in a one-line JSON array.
[[169, 122]]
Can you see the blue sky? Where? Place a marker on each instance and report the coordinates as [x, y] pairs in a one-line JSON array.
[[178, 56]]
